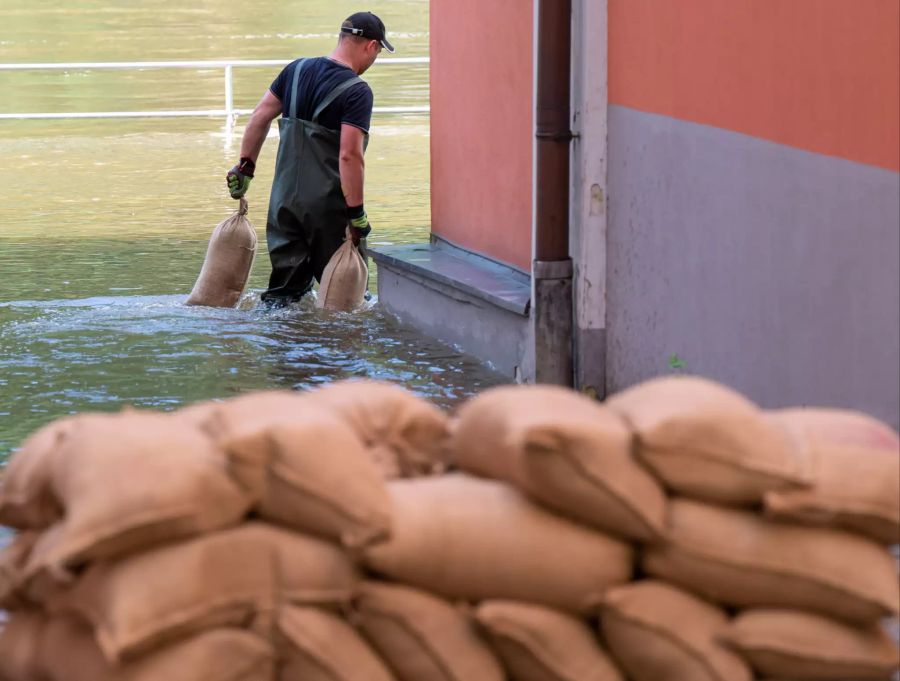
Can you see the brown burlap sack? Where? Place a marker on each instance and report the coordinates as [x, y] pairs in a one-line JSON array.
[[539, 644], [306, 464], [839, 427], [310, 571], [422, 637], [26, 496], [800, 645], [130, 480], [230, 578], [229, 259], [565, 451], [67, 651], [406, 434], [473, 539], [344, 280], [20, 646], [246, 414], [738, 558], [656, 631], [319, 646], [855, 464], [13, 560], [708, 442], [320, 479]]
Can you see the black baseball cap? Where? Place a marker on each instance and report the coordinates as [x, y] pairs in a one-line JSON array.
[[367, 25]]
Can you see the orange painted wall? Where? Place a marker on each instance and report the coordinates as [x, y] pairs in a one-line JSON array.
[[481, 126], [820, 75]]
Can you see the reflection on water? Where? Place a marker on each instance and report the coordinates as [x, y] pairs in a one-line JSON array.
[[104, 223]]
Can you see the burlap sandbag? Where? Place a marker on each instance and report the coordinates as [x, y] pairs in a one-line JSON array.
[[708, 442], [800, 645], [229, 259], [230, 578], [739, 558], [472, 539], [36, 648], [422, 637], [320, 479], [855, 464], [656, 631], [540, 644], [20, 646], [318, 646], [840, 427], [344, 280], [13, 561], [130, 480], [311, 469], [26, 495], [406, 434], [245, 414], [565, 451], [125, 481]]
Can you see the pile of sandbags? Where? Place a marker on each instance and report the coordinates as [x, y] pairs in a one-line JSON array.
[[219, 542], [356, 532], [757, 537]]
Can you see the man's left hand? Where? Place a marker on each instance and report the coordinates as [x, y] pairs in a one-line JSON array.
[[359, 224], [357, 234]]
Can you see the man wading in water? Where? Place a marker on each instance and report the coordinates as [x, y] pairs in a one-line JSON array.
[[317, 191]]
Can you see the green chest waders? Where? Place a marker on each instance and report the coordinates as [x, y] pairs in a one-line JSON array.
[[307, 210]]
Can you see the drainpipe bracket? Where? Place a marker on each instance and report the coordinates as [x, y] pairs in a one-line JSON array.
[[566, 136], [552, 269]]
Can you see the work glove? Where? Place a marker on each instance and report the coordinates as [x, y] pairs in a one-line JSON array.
[[359, 224], [238, 178]]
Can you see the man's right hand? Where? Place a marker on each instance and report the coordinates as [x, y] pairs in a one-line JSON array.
[[238, 178]]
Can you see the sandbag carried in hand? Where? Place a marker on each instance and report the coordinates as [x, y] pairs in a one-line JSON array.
[[344, 280], [229, 258]]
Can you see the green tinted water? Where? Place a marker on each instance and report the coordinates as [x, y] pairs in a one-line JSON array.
[[104, 223]]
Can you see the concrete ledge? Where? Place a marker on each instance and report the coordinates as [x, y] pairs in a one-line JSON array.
[[465, 272], [460, 298]]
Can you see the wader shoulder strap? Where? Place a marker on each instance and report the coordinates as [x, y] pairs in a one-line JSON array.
[[294, 94], [334, 94]]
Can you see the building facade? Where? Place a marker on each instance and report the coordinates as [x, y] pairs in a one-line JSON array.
[[735, 195]]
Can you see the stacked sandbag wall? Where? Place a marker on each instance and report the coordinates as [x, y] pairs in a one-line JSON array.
[[356, 532]]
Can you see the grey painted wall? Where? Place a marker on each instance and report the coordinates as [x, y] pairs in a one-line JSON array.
[[768, 268]]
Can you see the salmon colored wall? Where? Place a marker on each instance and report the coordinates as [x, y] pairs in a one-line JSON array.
[[820, 75], [481, 126]]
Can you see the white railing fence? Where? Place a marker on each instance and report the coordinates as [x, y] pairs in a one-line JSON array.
[[229, 112]]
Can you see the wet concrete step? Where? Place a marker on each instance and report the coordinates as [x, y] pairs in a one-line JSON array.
[[493, 282]]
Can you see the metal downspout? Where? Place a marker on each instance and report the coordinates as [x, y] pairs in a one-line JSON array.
[[552, 308]]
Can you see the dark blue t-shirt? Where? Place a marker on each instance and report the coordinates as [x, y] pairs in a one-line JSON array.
[[319, 77]]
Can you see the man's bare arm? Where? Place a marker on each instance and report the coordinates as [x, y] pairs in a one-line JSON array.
[[352, 164], [266, 111]]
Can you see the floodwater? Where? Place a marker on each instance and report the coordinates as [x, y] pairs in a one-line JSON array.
[[104, 223]]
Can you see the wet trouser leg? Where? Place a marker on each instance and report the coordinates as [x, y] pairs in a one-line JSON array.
[[292, 272], [296, 258], [289, 252]]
